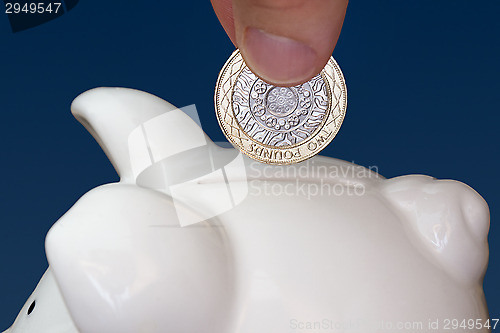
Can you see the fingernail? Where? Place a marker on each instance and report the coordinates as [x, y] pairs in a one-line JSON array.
[[277, 59]]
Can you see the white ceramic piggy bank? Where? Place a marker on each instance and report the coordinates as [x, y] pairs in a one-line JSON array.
[[196, 238]]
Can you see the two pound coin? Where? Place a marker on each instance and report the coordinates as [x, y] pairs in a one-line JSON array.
[[279, 125]]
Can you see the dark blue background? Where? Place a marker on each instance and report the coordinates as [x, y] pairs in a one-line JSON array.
[[423, 87]]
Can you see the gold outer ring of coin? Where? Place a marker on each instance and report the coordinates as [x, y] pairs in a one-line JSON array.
[[230, 91]]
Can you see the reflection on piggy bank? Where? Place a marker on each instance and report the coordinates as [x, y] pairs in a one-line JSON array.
[[198, 238]]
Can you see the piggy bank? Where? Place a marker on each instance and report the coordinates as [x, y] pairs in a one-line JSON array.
[[199, 238]]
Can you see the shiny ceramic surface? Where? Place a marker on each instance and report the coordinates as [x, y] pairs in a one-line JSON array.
[[197, 238]]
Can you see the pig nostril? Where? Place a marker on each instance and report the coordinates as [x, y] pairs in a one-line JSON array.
[[32, 307]]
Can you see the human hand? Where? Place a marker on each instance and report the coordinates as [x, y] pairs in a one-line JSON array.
[[284, 42]]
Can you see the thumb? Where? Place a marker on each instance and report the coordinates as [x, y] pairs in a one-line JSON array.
[[285, 42]]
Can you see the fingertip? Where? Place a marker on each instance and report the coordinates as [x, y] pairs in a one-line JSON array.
[[287, 42], [278, 60]]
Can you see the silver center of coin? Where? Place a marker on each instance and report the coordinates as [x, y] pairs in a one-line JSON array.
[[281, 101], [279, 116]]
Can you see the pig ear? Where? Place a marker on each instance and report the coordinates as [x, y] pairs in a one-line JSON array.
[[447, 220], [136, 129]]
